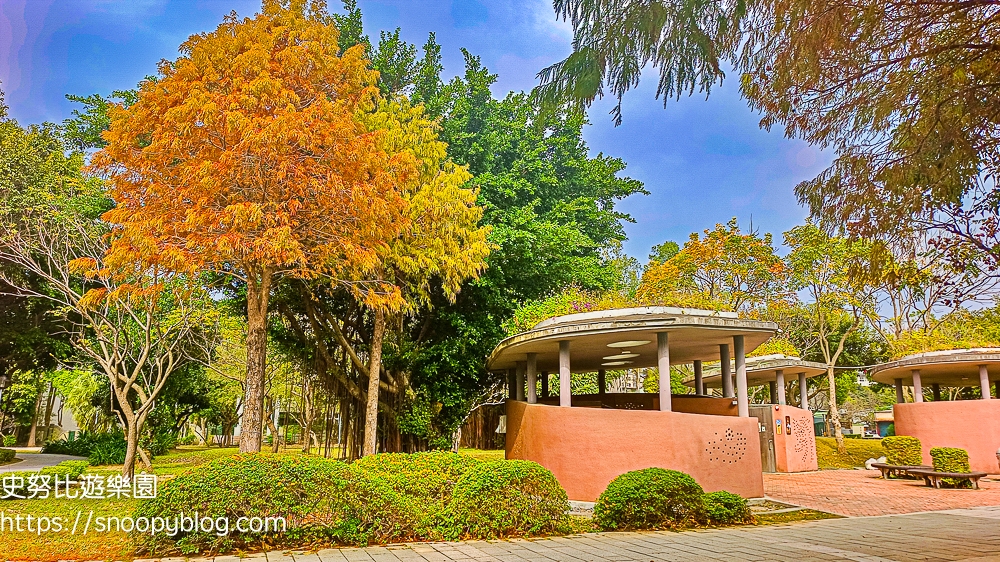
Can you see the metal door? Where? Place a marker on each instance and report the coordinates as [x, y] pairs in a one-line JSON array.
[[765, 428]]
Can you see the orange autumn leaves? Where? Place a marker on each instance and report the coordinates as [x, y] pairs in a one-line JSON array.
[[255, 154], [723, 269]]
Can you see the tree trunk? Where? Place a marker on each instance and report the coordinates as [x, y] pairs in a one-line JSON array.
[[131, 448], [146, 461], [50, 403], [374, 367], [834, 412], [252, 427], [275, 438], [34, 417]]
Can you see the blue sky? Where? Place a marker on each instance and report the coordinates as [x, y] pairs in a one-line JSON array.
[[703, 161]]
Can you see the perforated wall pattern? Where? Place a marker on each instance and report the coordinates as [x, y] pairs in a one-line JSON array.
[[729, 448], [802, 430]]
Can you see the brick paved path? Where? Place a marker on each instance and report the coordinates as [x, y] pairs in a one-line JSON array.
[[969, 535], [862, 493]]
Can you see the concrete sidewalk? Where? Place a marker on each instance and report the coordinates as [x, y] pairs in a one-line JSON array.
[[965, 534]]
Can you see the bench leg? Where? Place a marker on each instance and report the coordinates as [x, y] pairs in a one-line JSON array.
[[975, 483]]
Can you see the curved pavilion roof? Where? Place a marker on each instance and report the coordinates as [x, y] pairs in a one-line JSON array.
[[762, 370], [954, 367], [625, 338]]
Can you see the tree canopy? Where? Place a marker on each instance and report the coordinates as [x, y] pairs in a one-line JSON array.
[[900, 91]]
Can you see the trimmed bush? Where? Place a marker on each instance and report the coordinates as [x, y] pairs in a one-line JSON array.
[[9, 440], [431, 475], [308, 492], [507, 498], [726, 508], [652, 498], [7, 455], [902, 450], [952, 459]]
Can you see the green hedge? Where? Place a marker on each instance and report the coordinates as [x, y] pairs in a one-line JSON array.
[[381, 499], [431, 475], [726, 508], [7, 455], [652, 498], [951, 459], [902, 450], [308, 492], [507, 498]]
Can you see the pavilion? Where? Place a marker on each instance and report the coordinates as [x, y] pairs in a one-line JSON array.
[[588, 440], [973, 425], [771, 370]]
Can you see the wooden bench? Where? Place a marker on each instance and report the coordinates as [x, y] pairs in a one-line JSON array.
[[933, 478], [896, 470]]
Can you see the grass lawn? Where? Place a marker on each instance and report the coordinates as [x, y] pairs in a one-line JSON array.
[[793, 516], [483, 455], [858, 451]]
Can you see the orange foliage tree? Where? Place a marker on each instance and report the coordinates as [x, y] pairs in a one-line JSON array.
[[246, 157], [724, 269]]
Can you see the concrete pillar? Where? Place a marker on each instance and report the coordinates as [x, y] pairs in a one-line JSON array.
[[520, 380], [936, 389], [742, 402], [532, 378], [545, 384], [772, 387], [699, 383], [803, 392], [663, 363], [779, 377], [727, 371], [984, 382], [565, 394], [511, 385], [600, 382], [918, 391], [900, 398]]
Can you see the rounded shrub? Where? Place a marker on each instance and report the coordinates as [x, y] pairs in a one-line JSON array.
[[726, 508], [308, 492], [507, 498], [7, 455], [902, 450], [652, 498], [403, 496]]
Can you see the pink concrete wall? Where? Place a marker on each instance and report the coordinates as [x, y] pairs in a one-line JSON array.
[[973, 425], [586, 448], [795, 451]]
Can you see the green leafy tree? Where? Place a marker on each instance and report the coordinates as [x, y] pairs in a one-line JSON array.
[[663, 252], [828, 270]]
